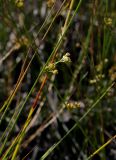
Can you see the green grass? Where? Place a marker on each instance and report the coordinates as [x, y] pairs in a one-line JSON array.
[[57, 80]]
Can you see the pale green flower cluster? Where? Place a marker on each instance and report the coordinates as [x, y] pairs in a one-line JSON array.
[[52, 66], [19, 3]]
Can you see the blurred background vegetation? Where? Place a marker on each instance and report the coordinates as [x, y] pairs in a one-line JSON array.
[[91, 42]]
